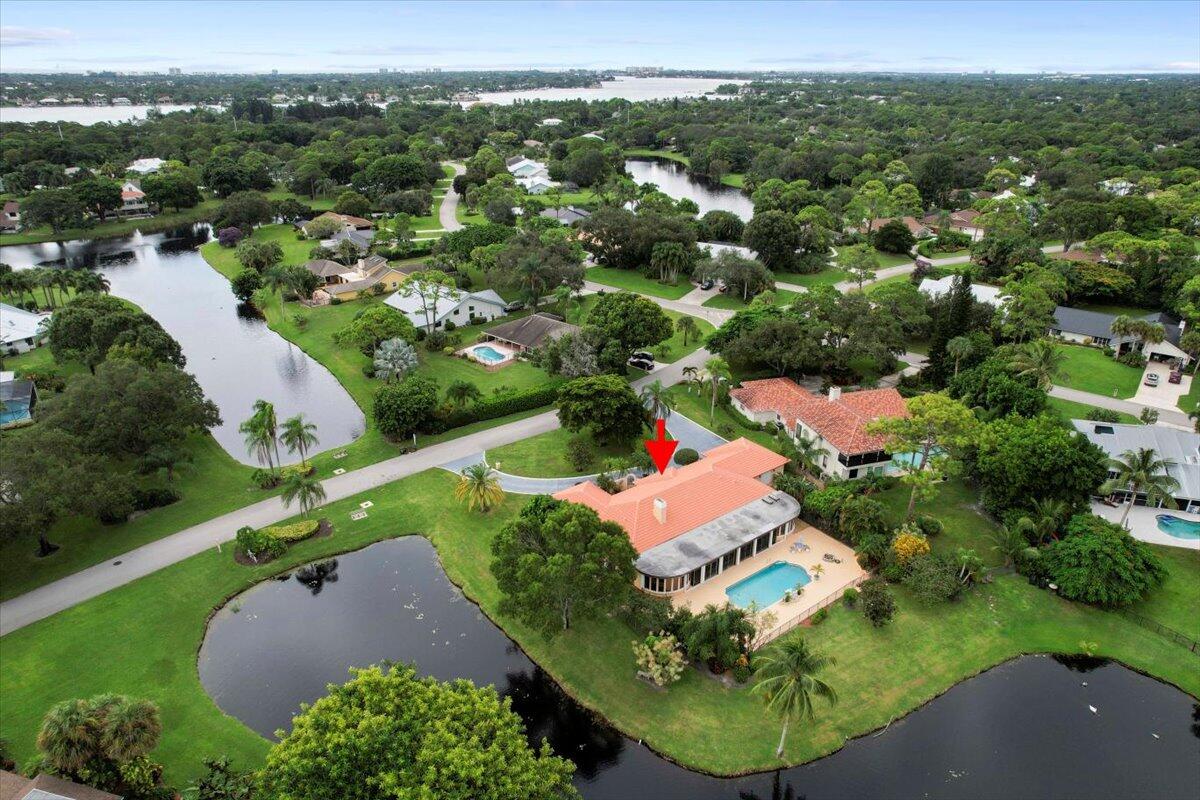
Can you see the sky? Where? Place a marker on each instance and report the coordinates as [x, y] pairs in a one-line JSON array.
[[50, 36]]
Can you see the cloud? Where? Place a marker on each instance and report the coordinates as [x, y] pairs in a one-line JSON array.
[[1183, 66], [825, 57], [118, 59], [17, 36]]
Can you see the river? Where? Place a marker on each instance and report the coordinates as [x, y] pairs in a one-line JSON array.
[[235, 357], [624, 87], [88, 115], [672, 179], [1020, 730]]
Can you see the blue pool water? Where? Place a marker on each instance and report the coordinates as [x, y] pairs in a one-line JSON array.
[[488, 354], [767, 585], [912, 459], [14, 411], [1179, 528]]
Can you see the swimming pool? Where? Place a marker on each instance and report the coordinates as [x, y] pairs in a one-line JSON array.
[[14, 411], [767, 585], [1177, 527], [488, 354]]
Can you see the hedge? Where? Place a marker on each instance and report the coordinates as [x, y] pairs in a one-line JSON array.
[[501, 406], [294, 532], [261, 545]]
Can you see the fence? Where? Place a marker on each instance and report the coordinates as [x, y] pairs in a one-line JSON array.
[[833, 597], [1162, 630]]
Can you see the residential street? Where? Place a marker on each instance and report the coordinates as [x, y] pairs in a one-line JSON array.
[[1175, 418], [448, 211]]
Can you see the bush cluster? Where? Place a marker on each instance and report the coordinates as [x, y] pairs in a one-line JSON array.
[[294, 532], [501, 406], [262, 546]]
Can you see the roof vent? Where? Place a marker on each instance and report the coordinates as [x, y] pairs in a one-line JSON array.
[[660, 510], [1107, 429]]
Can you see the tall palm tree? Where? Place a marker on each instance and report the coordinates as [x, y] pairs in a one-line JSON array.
[[1141, 472], [258, 440], [688, 327], [717, 370], [690, 373], [275, 279], [267, 411], [305, 489], [1040, 359], [959, 348], [298, 434], [789, 684], [1121, 327], [67, 738], [654, 398], [563, 298], [132, 729], [479, 487]]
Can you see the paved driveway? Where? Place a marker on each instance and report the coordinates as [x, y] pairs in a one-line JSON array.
[[448, 211], [1164, 396]]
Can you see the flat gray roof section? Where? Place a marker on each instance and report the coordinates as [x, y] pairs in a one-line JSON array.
[[714, 539], [1172, 444]]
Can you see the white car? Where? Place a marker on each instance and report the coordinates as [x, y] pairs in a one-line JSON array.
[[1151, 379]]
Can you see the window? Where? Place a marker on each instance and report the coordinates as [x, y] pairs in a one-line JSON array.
[[712, 568], [456, 312], [471, 308], [694, 577], [747, 550], [854, 473], [729, 559], [762, 543]]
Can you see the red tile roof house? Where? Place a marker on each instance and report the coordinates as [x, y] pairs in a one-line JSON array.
[[690, 523], [964, 221], [837, 422]]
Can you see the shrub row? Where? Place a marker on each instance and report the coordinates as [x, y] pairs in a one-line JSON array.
[[294, 532], [501, 406], [260, 545]]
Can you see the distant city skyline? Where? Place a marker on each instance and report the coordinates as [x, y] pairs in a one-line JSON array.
[[934, 37]]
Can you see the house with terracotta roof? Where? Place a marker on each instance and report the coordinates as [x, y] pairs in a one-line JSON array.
[[689, 524], [836, 422], [133, 200]]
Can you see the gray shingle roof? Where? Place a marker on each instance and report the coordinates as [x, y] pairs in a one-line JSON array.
[[1172, 444], [533, 330], [1098, 324]]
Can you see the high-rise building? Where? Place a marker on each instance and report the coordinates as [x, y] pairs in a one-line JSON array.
[[174, 71]]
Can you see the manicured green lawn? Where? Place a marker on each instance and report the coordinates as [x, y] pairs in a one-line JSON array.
[[205, 212], [826, 277], [637, 282], [886, 259], [871, 287], [1069, 409], [545, 456], [281, 192], [1088, 369], [142, 639], [295, 249], [1191, 400], [733, 302], [675, 346], [1174, 604]]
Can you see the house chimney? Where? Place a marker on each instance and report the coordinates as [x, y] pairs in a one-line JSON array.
[[660, 510], [835, 393]]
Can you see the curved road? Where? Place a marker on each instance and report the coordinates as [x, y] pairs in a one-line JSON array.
[[96, 580], [448, 210]]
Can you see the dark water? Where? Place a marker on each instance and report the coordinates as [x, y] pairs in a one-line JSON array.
[[1021, 730], [234, 355], [672, 179]]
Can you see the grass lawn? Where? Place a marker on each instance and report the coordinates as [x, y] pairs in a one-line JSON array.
[[675, 348], [636, 282], [871, 287], [826, 277], [885, 259], [1090, 370], [1069, 409], [545, 456], [695, 404], [142, 639], [1191, 400], [205, 212], [281, 192], [732, 302], [466, 217]]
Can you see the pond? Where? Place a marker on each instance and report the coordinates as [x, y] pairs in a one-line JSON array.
[[672, 179], [1023, 729], [88, 115], [234, 355]]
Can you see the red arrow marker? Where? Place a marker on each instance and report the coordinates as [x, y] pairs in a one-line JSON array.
[[662, 448]]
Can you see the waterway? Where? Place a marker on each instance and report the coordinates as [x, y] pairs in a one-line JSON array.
[[1022, 730], [627, 88], [672, 179], [235, 357]]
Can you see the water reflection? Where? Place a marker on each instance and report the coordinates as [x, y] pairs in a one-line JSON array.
[[234, 355], [672, 180], [1023, 729]]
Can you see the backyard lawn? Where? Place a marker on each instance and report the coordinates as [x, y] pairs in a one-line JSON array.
[[733, 302], [1088, 369], [1191, 400], [885, 259], [637, 282], [826, 277], [142, 639]]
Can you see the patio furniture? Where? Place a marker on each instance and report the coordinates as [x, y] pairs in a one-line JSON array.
[[831, 558]]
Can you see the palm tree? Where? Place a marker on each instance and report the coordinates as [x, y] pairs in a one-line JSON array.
[[688, 327], [132, 729], [807, 451], [394, 358], [789, 684], [460, 393], [689, 377], [654, 398], [258, 440], [478, 486], [1042, 360], [564, 297], [1010, 541], [718, 372], [66, 738], [1121, 327], [1141, 472], [1046, 517], [303, 488], [275, 279], [959, 348], [298, 435]]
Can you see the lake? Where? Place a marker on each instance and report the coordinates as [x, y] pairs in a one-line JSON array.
[[672, 179], [1020, 730], [627, 88], [235, 357], [87, 115]]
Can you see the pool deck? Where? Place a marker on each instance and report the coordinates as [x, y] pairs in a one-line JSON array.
[[1143, 525], [830, 585]]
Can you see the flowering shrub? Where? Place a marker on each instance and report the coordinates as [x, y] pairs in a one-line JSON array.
[[659, 658], [908, 545]]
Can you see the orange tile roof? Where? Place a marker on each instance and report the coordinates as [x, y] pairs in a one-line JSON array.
[[840, 421], [722, 481]]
